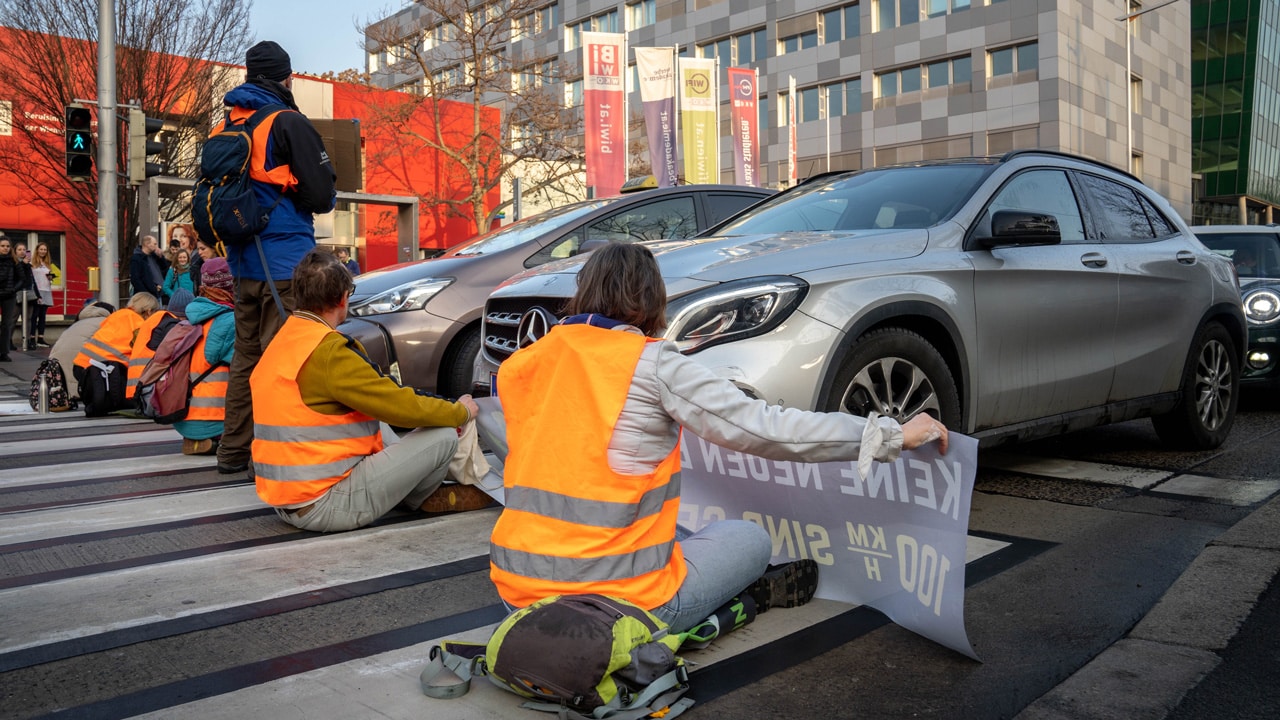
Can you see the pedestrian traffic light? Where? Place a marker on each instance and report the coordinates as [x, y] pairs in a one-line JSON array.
[[141, 146], [79, 142]]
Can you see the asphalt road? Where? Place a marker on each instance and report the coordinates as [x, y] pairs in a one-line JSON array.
[[137, 582]]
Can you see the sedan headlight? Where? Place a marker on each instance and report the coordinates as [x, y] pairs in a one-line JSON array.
[[1262, 306], [732, 311], [409, 296]]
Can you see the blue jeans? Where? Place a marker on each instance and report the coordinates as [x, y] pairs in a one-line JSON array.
[[722, 559]]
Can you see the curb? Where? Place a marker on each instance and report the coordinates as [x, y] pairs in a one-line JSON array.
[[1148, 673]]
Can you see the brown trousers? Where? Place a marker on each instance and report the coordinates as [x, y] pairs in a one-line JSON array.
[[257, 321]]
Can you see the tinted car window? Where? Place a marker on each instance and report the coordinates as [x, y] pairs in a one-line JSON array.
[[1163, 228], [1042, 191], [1121, 217], [721, 206], [865, 200], [1253, 254], [565, 247], [666, 219], [527, 229]]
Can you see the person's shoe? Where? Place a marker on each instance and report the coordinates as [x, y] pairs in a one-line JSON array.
[[452, 497], [787, 585], [232, 468], [199, 447], [5, 358], [42, 343]]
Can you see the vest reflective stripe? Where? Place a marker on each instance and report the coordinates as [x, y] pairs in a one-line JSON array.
[[298, 453], [112, 342], [593, 569], [573, 525], [209, 396], [140, 354], [281, 175], [600, 513]]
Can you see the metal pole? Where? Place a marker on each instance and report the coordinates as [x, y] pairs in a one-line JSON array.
[[1128, 92], [108, 230]]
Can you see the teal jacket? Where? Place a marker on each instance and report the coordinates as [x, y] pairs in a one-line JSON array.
[[173, 281], [218, 347]]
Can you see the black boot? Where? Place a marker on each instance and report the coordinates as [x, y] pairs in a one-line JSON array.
[[786, 585]]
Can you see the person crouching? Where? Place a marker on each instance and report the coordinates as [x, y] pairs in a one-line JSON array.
[[321, 453], [214, 312]]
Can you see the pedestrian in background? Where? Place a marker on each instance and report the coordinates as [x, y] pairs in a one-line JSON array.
[[348, 262], [11, 278], [179, 275], [71, 342], [293, 177], [205, 250], [46, 275], [26, 297], [147, 268], [214, 312]]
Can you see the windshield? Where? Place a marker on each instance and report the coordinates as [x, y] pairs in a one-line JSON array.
[[521, 232], [1254, 254], [894, 197]]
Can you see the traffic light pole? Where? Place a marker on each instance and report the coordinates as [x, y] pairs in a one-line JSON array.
[[108, 227]]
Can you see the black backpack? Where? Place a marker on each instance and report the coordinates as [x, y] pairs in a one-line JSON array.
[[55, 382], [102, 388], [224, 207]]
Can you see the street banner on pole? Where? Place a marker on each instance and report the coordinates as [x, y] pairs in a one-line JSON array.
[[603, 100], [894, 540], [745, 122], [656, 67], [792, 100], [699, 120]]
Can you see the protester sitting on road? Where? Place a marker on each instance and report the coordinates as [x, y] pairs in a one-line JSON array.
[[149, 335], [593, 416], [112, 342], [72, 340], [214, 311], [321, 411]]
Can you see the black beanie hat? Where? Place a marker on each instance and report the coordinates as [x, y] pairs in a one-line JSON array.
[[268, 60]]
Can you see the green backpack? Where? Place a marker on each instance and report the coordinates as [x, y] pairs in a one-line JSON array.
[[582, 656]]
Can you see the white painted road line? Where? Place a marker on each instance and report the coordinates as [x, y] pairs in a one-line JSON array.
[[102, 470], [36, 525], [1072, 470], [87, 442], [1230, 492], [75, 422], [62, 609]]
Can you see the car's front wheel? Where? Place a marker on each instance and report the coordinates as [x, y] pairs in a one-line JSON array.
[[1210, 385], [457, 365], [895, 372]]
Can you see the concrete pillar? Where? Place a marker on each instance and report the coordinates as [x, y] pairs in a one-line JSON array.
[[1244, 210]]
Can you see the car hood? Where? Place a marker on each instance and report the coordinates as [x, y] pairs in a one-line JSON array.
[[698, 262], [382, 280]]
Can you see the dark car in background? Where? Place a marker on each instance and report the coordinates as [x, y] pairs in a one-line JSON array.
[[1254, 250], [1010, 297], [420, 321]]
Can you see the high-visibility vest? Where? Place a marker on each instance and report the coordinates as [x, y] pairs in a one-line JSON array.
[[298, 453], [112, 342], [281, 175], [571, 524], [140, 354], [209, 396]]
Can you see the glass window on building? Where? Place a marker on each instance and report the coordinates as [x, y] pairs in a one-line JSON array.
[[762, 107], [1028, 57], [750, 47], [962, 70], [841, 23], [835, 99], [810, 108], [887, 84], [573, 93], [910, 81], [939, 73], [641, 14], [1009, 60], [894, 13], [802, 41]]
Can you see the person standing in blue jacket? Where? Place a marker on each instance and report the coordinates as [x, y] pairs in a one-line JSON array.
[[294, 178]]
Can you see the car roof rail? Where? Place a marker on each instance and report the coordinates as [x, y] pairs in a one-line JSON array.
[[1069, 156]]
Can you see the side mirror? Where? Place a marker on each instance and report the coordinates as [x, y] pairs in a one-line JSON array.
[[1018, 227], [590, 245]]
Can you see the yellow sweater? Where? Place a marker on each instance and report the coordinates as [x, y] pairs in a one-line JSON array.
[[339, 377]]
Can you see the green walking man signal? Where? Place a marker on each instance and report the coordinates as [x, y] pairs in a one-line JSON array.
[[79, 142]]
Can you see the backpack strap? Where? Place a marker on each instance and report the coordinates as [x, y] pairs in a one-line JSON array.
[[450, 669], [250, 124], [663, 695]]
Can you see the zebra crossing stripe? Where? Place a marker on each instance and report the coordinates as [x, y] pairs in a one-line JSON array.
[[101, 470], [88, 442]]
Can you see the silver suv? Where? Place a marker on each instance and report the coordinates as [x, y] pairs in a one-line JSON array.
[[1011, 297]]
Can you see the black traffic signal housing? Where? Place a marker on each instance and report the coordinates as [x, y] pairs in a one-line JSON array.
[[79, 131], [141, 146]]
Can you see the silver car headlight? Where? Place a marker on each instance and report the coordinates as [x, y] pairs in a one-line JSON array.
[[1262, 306], [409, 296], [732, 311]]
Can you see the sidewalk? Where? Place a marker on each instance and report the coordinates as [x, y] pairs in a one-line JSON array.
[[25, 363], [1181, 640]]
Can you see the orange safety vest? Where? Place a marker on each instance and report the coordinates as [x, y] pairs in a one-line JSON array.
[[573, 525], [112, 342], [281, 175], [298, 453], [140, 354], [209, 396]]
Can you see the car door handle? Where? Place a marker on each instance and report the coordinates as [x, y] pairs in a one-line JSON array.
[[1093, 260], [1186, 257]]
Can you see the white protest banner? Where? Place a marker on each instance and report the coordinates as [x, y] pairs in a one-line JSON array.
[[894, 541]]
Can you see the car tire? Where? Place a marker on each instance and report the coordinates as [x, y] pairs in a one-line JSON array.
[[1210, 392], [458, 364], [895, 372]]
